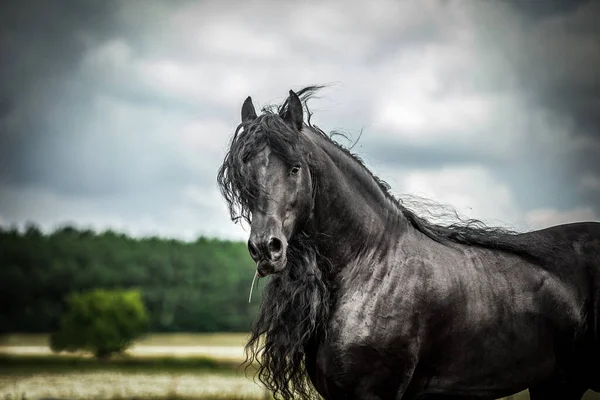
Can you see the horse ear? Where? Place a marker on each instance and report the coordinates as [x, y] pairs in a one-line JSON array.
[[294, 116], [248, 112]]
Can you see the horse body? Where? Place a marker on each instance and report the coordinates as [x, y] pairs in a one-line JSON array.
[[458, 322], [487, 312], [381, 304]]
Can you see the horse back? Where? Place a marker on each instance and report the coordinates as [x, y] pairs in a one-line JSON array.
[[576, 261]]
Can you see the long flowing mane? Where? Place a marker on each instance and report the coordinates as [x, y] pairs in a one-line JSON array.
[[294, 311]]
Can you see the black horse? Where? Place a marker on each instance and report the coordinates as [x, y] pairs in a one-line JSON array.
[[367, 300]]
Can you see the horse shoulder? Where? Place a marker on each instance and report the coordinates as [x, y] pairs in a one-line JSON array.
[[382, 306]]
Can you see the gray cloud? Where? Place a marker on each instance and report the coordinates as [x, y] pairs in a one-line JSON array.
[[120, 111], [557, 59]]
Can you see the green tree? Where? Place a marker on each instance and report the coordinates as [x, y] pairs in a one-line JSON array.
[[101, 321], [186, 286]]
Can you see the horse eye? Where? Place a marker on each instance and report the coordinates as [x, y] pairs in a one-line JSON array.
[[295, 170]]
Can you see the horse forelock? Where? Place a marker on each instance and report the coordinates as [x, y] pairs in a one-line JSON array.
[[235, 178]]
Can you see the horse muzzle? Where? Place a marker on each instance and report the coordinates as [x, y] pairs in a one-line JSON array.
[[269, 254]]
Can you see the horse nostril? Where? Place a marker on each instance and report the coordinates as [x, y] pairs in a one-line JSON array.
[[275, 246], [252, 250]]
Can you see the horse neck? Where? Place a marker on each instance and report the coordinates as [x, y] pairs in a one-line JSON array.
[[352, 216]]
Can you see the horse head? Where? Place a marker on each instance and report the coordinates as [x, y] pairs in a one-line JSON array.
[[271, 180]]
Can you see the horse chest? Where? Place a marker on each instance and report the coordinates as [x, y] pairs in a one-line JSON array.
[[367, 333]]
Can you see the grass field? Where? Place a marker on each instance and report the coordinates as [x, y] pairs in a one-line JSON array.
[[139, 375]]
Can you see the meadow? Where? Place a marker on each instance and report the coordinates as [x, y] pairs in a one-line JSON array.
[[159, 366]]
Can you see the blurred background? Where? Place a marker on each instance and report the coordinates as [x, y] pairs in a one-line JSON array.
[[121, 274]]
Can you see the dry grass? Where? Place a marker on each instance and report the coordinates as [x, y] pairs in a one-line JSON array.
[[155, 339], [221, 346], [24, 339], [194, 339]]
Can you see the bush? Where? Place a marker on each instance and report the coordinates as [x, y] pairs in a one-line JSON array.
[[100, 321]]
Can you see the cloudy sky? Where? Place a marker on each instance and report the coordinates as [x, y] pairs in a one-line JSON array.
[[116, 114]]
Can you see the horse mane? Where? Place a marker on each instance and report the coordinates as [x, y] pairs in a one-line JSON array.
[[472, 232], [238, 189]]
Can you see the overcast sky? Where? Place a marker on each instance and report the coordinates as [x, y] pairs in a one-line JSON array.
[[117, 114]]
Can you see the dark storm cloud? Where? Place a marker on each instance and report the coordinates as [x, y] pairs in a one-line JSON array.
[[560, 62], [49, 111], [41, 44], [557, 61], [536, 10]]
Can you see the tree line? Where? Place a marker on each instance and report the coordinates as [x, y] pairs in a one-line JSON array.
[[199, 286]]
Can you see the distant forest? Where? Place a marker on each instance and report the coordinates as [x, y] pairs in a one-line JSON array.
[[187, 287]]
